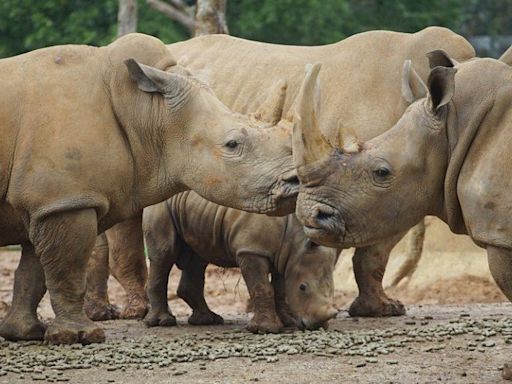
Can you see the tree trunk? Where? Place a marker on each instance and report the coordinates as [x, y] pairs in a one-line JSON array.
[[127, 17], [211, 17]]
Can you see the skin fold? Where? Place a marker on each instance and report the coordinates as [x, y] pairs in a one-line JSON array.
[[360, 81]]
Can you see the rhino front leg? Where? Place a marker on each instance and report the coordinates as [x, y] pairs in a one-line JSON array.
[[97, 305], [500, 264], [283, 310], [128, 264], [21, 322], [255, 270], [191, 289], [369, 267], [64, 243]]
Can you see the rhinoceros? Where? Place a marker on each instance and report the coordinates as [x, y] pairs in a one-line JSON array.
[[191, 232], [90, 136], [359, 77], [447, 156]]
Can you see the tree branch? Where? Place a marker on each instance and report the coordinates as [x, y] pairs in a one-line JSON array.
[[173, 13]]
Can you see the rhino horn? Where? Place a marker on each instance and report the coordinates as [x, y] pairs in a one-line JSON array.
[[308, 142], [348, 140], [271, 110]]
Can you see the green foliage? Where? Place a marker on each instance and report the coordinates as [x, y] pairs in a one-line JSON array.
[[26, 24], [312, 22]]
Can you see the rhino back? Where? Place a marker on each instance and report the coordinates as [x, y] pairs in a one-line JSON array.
[[360, 76], [218, 234]]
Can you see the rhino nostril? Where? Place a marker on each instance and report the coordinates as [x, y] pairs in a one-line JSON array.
[[291, 178], [323, 214]]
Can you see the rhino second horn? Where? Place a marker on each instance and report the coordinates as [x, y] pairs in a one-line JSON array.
[[308, 142], [348, 140], [271, 110]]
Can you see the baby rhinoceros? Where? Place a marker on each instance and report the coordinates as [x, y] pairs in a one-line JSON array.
[[192, 232]]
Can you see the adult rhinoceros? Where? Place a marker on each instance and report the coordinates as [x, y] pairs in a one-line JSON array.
[[359, 91], [84, 146], [447, 156]]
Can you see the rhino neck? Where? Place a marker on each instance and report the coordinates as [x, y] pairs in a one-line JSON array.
[[460, 132], [142, 129]]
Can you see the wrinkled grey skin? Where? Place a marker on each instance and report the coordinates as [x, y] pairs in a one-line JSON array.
[[191, 232], [448, 156], [90, 136]]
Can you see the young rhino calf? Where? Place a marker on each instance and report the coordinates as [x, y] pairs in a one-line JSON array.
[[192, 232]]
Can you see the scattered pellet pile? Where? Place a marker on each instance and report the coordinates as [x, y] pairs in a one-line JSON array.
[[33, 360]]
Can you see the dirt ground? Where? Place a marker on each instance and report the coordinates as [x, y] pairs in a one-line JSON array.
[[466, 357]]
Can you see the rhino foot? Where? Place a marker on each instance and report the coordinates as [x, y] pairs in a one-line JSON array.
[[16, 328], [100, 311], [160, 319], [265, 324], [82, 330], [364, 306], [136, 308], [205, 318]]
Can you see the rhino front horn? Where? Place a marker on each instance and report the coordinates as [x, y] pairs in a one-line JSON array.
[[309, 144]]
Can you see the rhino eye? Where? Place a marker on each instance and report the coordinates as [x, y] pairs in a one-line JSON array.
[[231, 144], [382, 172], [303, 287]]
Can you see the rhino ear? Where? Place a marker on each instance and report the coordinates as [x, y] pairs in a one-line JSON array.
[[507, 56], [440, 58], [441, 87], [148, 79], [413, 88]]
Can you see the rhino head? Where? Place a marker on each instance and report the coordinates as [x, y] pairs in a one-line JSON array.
[[356, 194], [243, 162], [309, 283]]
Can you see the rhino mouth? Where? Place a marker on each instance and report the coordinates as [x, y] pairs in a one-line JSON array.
[[280, 200], [304, 325]]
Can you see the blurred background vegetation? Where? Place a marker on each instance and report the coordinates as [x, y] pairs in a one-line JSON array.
[[26, 24]]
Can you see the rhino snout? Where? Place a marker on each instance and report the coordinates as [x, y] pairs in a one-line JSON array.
[[321, 320]]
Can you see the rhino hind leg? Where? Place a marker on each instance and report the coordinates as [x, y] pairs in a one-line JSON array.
[[255, 270], [500, 265], [369, 267], [64, 243], [96, 304], [128, 265], [21, 322], [191, 289]]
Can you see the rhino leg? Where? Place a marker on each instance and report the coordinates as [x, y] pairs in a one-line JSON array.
[[500, 264], [21, 322], [255, 270], [282, 308], [162, 251], [191, 289], [369, 267], [96, 304], [64, 243], [128, 265]]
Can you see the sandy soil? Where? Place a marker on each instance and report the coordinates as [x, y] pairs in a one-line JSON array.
[[227, 295]]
